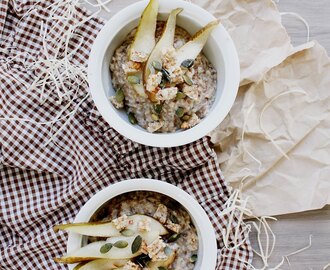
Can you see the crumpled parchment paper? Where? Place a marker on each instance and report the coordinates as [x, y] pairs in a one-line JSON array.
[[255, 26], [284, 97], [291, 106]]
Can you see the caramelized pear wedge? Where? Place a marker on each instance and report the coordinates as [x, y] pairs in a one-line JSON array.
[[101, 264], [192, 48], [159, 264], [144, 40], [117, 251], [165, 41], [108, 229]]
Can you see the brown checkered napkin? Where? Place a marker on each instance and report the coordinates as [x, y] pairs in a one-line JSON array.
[[45, 185]]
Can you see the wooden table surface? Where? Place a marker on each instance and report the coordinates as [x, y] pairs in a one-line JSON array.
[[293, 231]]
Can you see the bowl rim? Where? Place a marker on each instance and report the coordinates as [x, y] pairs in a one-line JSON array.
[[209, 122], [203, 224]]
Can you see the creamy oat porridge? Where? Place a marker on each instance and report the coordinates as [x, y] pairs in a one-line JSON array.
[[166, 87], [181, 234], [179, 98], [139, 230]]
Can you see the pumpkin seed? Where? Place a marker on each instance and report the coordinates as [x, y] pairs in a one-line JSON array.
[[168, 251], [120, 96], [162, 84], [162, 268], [180, 112], [136, 244], [142, 260], [133, 79], [155, 117], [127, 232], [186, 117], [188, 63], [180, 95], [193, 258], [157, 65], [106, 248], [132, 119], [158, 108], [187, 80], [174, 219], [173, 237], [166, 75], [121, 244]]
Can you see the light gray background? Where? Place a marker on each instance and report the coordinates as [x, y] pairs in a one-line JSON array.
[[292, 231]]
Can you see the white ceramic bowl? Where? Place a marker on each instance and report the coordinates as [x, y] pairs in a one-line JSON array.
[[220, 50], [207, 252]]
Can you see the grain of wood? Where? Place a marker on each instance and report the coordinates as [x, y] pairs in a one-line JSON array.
[[293, 230]]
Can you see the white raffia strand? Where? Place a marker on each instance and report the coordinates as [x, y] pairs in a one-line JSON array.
[[100, 4], [235, 206], [299, 250], [57, 75], [326, 267], [267, 105], [299, 17], [242, 137]]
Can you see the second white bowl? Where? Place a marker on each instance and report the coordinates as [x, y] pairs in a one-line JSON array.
[[207, 251]]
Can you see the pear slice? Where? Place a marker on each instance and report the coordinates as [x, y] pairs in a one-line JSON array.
[[165, 41], [93, 250], [101, 264], [157, 264], [192, 48], [107, 229], [144, 40]]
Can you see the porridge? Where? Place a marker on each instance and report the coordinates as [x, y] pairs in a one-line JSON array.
[[161, 77], [179, 103], [139, 230], [181, 237]]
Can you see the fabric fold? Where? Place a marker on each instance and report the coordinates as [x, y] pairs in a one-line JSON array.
[[46, 179]]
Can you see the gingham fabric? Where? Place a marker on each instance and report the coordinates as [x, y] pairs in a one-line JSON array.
[[46, 185]]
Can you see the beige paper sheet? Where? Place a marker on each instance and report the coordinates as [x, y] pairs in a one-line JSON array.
[[291, 105], [255, 26], [291, 85]]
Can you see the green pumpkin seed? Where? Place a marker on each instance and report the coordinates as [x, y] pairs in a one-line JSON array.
[[120, 244], [158, 108], [163, 83], [174, 219], [180, 95], [179, 112], [188, 63], [120, 96], [106, 248], [155, 117], [187, 80], [162, 268], [136, 244], [166, 75], [174, 237], [168, 251], [193, 258], [133, 79], [132, 119], [157, 65], [186, 117], [127, 232]]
